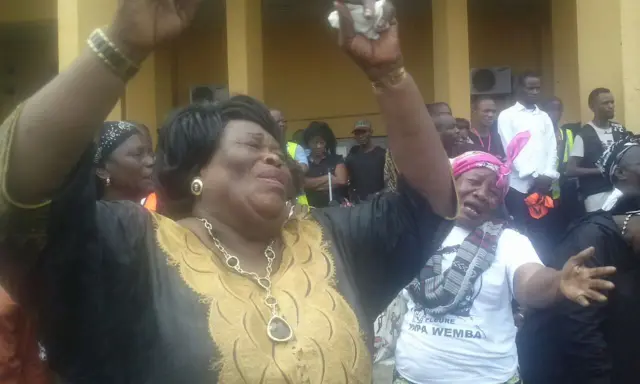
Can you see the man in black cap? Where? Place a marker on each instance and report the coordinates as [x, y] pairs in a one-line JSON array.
[[365, 164]]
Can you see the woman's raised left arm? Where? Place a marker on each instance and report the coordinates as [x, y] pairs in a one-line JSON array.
[[413, 139], [384, 242]]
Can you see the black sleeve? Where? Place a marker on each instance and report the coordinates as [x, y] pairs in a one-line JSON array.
[[586, 351], [82, 268], [347, 162], [384, 242], [585, 348], [60, 253]]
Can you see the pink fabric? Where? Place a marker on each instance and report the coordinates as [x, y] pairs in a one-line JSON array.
[[476, 159], [515, 146]]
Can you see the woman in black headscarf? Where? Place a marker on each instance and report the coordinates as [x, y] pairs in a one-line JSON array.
[[124, 162], [600, 343]]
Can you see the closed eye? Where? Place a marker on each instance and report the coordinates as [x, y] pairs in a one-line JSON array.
[[258, 146], [475, 182], [137, 153], [252, 144]]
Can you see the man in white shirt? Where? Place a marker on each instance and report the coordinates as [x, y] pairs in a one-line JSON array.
[[594, 138], [535, 168]]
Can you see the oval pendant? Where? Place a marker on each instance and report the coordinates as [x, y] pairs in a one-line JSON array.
[[279, 330]]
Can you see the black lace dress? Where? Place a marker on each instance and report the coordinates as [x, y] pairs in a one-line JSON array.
[[122, 295]]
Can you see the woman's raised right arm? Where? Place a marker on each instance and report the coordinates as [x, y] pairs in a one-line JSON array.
[[54, 127]]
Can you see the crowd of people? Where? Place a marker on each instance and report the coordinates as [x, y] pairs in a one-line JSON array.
[[496, 250], [494, 334]]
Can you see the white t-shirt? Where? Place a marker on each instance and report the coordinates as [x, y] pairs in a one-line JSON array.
[[478, 343], [597, 201], [605, 136], [594, 202], [611, 201]]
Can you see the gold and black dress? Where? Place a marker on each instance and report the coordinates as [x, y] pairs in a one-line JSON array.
[[122, 295]]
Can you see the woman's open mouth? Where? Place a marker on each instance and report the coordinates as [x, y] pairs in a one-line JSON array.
[[470, 210]]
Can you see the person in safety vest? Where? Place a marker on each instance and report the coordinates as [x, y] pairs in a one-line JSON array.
[[565, 190], [295, 150]]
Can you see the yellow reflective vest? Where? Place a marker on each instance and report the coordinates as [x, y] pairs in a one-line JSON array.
[[568, 147], [291, 149]]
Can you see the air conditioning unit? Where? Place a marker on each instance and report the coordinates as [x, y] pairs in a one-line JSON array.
[[491, 81], [208, 93]]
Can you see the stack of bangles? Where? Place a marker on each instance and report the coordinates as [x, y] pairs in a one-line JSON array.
[[121, 65]]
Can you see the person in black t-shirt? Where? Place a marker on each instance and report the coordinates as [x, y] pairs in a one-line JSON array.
[[594, 139], [365, 164], [324, 162]]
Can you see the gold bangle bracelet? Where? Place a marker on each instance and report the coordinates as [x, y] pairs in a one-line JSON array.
[[111, 56], [392, 79], [102, 56], [115, 48]]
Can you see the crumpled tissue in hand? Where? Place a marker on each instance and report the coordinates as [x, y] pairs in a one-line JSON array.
[[361, 24]]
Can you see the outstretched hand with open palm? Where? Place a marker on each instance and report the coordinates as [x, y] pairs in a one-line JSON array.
[[580, 283]]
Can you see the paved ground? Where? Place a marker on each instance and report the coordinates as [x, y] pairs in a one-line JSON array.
[[382, 374]]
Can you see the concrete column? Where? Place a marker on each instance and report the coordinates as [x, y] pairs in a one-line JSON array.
[[149, 95], [27, 11], [599, 51], [564, 38], [76, 20], [630, 49], [599, 46], [244, 47], [451, 55]]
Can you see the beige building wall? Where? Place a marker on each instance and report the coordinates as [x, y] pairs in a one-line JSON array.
[[308, 77]]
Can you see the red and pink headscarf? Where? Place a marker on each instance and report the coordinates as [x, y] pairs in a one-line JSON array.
[[477, 159]]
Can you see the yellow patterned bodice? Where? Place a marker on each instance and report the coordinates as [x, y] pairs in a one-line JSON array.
[[328, 345]]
